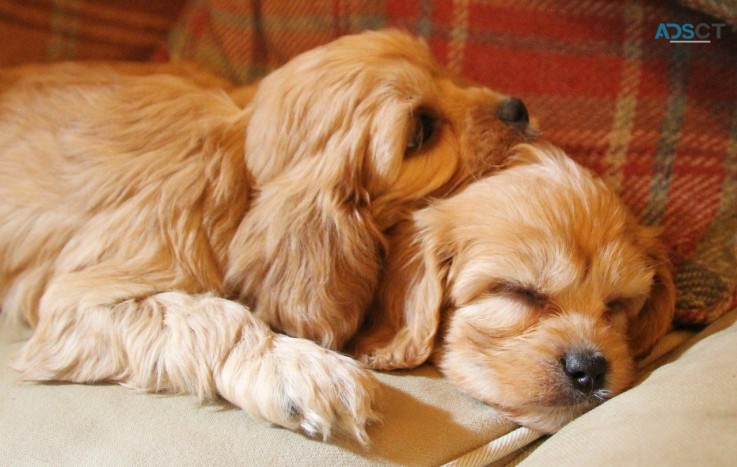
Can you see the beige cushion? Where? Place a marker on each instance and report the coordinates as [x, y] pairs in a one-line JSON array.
[[426, 421], [684, 413]]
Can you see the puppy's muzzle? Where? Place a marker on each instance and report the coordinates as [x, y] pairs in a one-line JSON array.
[[586, 370], [513, 111]]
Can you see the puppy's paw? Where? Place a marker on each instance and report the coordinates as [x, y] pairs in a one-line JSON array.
[[301, 386], [388, 355], [375, 359]]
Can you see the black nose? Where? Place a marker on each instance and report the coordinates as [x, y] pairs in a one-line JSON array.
[[513, 110], [586, 369]]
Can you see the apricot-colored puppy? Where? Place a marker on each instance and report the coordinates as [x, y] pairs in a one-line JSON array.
[[156, 233], [533, 289]]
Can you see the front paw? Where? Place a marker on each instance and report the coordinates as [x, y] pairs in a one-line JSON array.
[[396, 354], [299, 385]]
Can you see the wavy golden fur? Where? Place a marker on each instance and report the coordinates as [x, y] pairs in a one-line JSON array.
[[161, 233], [533, 289]]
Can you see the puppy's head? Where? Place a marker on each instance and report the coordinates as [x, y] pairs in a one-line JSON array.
[[342, 142], [542, 286], [375, 118]]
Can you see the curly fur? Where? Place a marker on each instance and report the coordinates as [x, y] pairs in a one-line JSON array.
[[159, 232], [498, 283]]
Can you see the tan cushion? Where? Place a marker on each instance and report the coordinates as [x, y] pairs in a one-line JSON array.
[[426, 421], [684, 413]]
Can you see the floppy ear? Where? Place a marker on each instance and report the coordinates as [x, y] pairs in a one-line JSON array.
[[306, 258], [307, 255], [401, 328], [656, 315]]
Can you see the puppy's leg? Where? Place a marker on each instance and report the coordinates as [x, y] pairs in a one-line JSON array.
[[89, 331]]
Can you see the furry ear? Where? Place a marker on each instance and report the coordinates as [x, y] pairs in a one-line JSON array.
[[656, 315], [401, 328], [307, 257]]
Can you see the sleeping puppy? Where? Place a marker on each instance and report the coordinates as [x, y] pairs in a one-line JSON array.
[[156, 234], [533, 290]]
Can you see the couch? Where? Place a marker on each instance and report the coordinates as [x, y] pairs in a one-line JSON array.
[[656, 119]]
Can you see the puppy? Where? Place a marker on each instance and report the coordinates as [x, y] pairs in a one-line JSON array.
[[156, 234], [533, 290]]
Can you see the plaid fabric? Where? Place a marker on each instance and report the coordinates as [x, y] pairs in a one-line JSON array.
[[46, 30], [657, 120], [244, 39], [725, 10]]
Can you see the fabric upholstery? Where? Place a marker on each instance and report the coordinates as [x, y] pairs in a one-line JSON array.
[[684, 413], [657, 120], [722, 9], [52, 30], [426, 422]]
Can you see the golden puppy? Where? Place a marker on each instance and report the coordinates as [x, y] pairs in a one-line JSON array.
[[156, 234], [533, 289]]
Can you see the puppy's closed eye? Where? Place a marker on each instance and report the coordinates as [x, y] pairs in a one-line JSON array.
[[526, 294]]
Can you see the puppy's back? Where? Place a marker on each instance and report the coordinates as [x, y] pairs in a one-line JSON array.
[[78, 142]]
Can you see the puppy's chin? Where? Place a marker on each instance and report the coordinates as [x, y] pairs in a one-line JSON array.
[[516, 361], [546, 419]]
